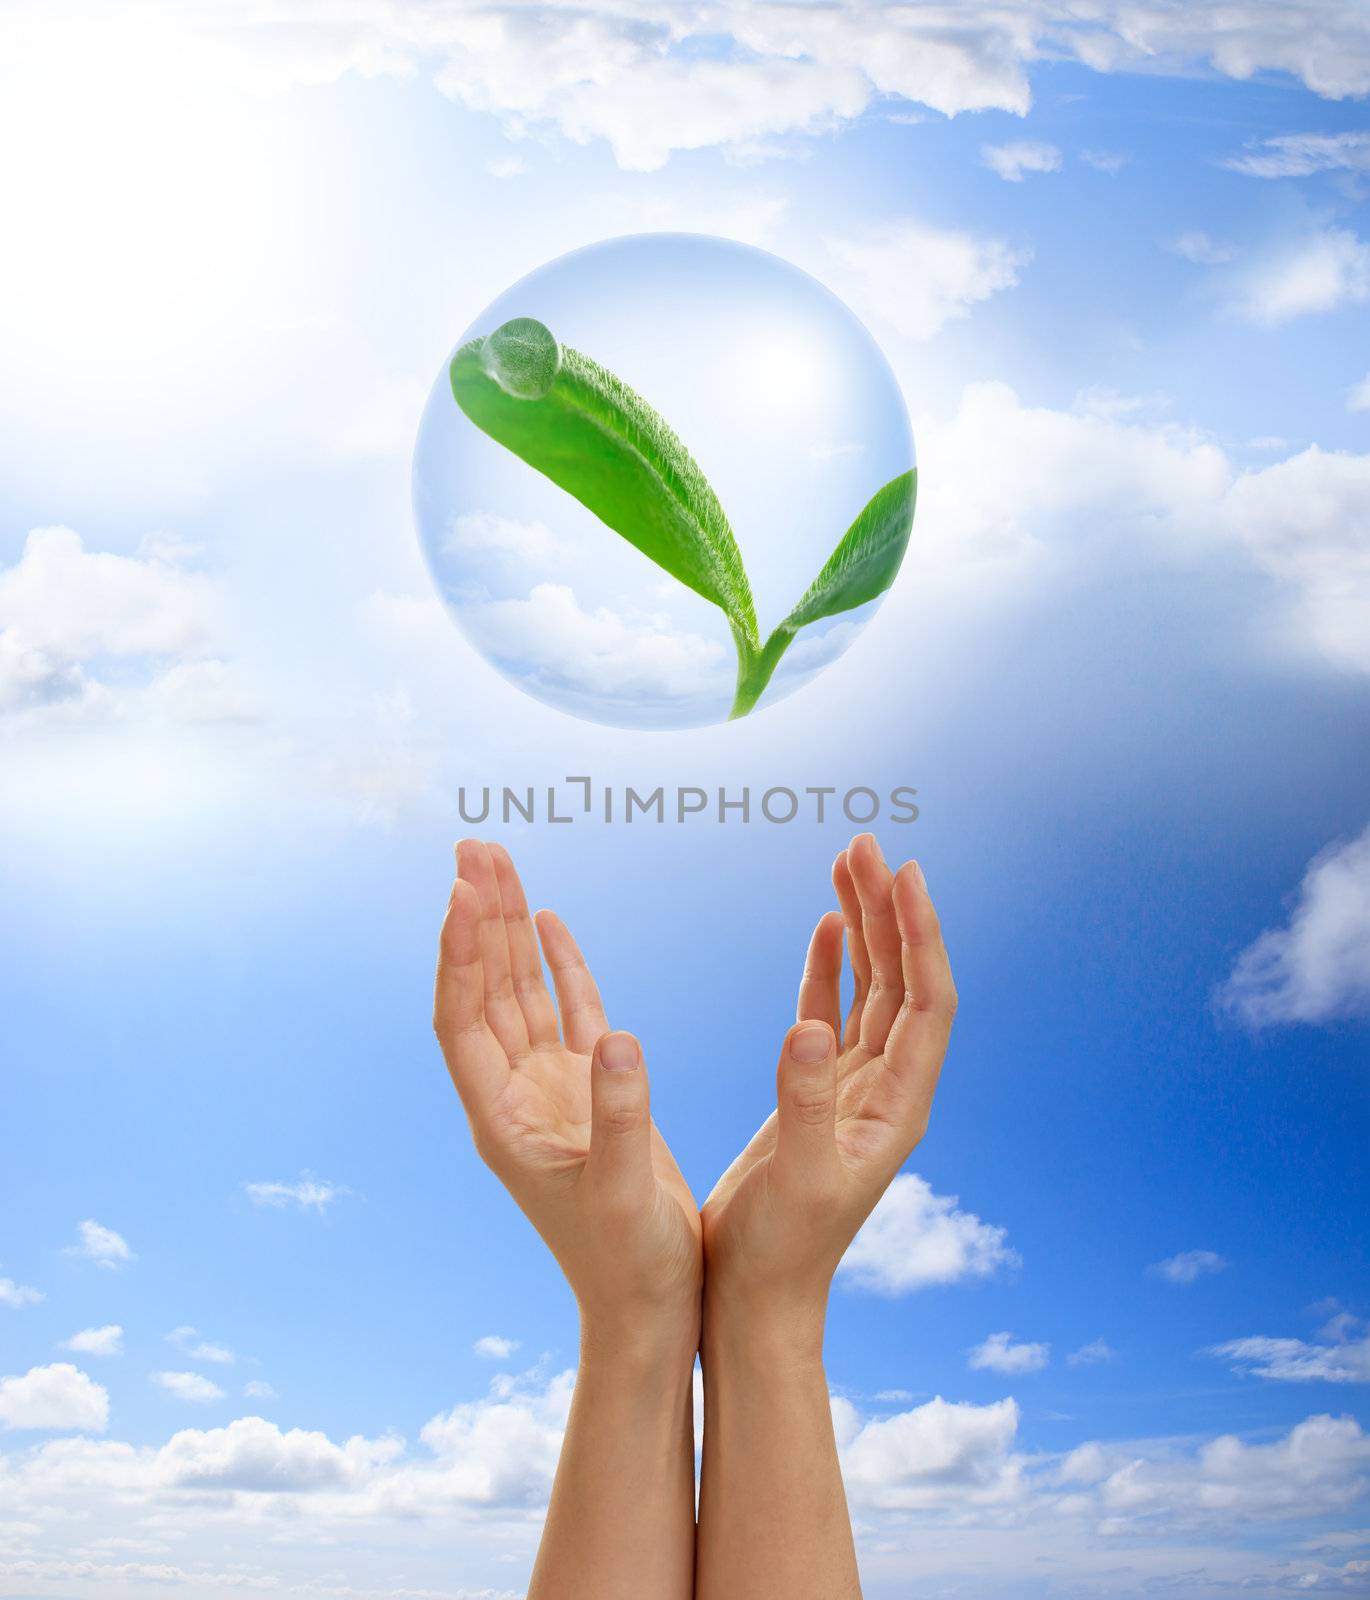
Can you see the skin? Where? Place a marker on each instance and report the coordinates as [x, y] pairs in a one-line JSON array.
[[559, 1109]]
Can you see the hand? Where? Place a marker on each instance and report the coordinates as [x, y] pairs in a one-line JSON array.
[[560, 1111], [848, 1115]]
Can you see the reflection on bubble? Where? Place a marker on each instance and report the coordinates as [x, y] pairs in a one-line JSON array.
[[778, 392]]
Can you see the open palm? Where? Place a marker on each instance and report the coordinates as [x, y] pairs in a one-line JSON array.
[[525, 1069], [854, 1119]]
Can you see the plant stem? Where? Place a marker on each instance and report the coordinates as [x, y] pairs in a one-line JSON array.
[[754, 668]]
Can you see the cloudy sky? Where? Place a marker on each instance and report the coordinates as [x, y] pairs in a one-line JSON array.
[[265, 1323]]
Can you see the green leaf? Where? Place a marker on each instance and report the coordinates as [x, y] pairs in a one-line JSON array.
[[864, 565], [867, 560], [597, 439]]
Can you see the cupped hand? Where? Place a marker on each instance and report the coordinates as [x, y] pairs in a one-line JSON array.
[[559, 1107], [852, 1099]]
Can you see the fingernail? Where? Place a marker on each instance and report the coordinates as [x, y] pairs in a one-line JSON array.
[[618, 1052], [809, 1044], [875, 845], [918, 874]]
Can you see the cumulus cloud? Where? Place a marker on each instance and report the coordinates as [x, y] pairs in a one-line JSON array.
[[68, 614], [915, 1238], [551, 637], [1316, 967], [1299, 1360], [1318, 1467], [649, 78], [57, 1397], [918, 278], [1202, 248], [1189, 1266], [1014, 161], [106, 1341], [259, 1389], [18, 1295], [937, 1455], [101, 1245], [1299, 155], [1091, 1354], [493, 1347], [479, 1477], [307, 1194], [1358, 395], [999, 1353], [1057, 478], [187, 1338], [1322, 271], [191, 1386]]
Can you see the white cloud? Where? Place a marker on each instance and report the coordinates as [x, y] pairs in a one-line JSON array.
[[1091, 1354], [67, 613], [1061, 484], [507, 167], [650, 77], [915, 1238], [1358, 395], [1299, 1360], [940, 1454], [999, 1353], [495, 1348], [485, 535], [18, 1295], [106, 1341], [101, 1245], [551, 636], [309, 1193], [1110, 161], [918, 278], [1298, 155], [1189, 1266], [187, 1338], [59, 1396], [1203, 249], [926, 1486], [259, 1389], [192, 1386], [1317, 967], [1014, 161], [1322, 271]]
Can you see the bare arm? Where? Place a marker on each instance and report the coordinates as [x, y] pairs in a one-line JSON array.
[[852, 1102], [559, 1110]]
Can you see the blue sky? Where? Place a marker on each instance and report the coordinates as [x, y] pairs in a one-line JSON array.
[[1125, 666]]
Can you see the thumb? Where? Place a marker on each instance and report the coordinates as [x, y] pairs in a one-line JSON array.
[[806, 1107], [620, 1159]]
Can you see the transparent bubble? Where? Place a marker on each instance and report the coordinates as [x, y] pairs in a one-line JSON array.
[[781, 396]]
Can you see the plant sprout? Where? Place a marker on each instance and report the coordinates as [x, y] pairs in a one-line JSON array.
[[597, 439]]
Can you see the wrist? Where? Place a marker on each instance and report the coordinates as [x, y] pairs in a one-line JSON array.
[[763, 1332], [647, 1344]]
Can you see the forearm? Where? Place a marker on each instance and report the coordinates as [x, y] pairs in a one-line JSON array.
[[621, 1523], [773, 1522]]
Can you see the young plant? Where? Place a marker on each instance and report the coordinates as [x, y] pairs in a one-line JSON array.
[[597, 439]]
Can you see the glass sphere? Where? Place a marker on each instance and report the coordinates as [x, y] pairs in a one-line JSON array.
[[773, 386]]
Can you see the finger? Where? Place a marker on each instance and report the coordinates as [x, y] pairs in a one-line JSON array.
[[478, 1065], [874, 885], [525, 963], [820, 988], [582, 1010], [619, 1166], [856, 946], [502, 1010], [806, 1110], [918, 1039]]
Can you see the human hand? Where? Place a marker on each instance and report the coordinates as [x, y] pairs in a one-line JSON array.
[[559, 1111], [853, 1101]]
